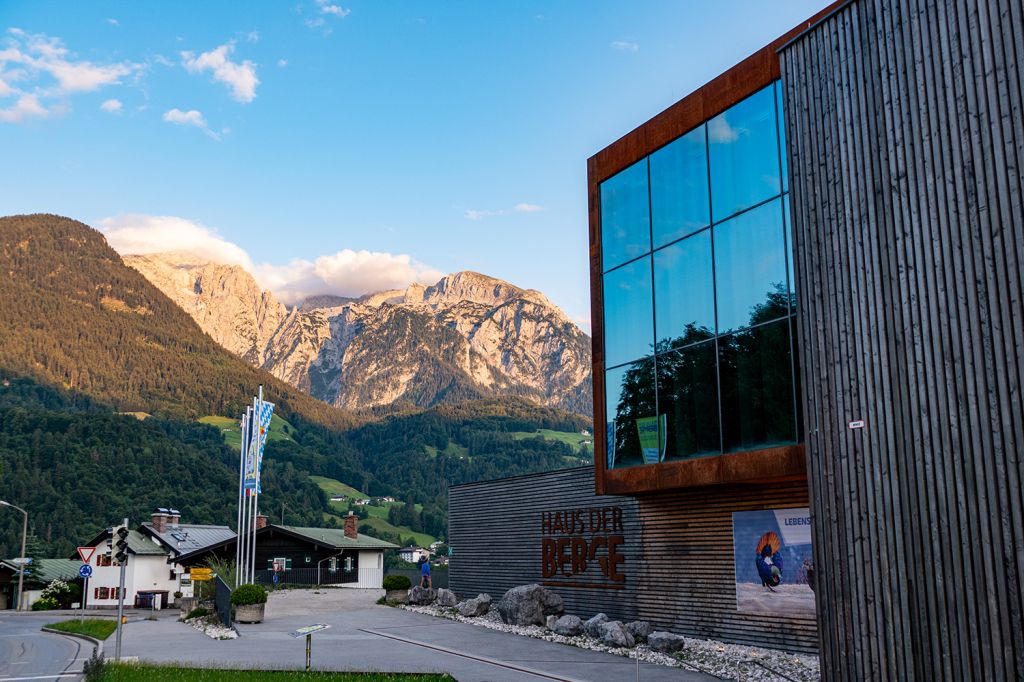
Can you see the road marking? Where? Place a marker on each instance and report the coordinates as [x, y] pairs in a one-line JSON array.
[[473, 657], [40, 677]]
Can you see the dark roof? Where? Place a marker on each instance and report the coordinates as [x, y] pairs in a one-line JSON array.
[[49, 569], [137, 543], [329, 537], [186, 538]]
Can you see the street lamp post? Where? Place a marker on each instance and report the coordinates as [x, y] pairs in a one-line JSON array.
[[21, 567]]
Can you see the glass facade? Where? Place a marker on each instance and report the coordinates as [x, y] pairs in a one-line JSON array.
[[698, 294]]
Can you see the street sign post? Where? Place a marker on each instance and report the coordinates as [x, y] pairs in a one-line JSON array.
[[201, 573], [85, 570], [308, 633], [86, 553]]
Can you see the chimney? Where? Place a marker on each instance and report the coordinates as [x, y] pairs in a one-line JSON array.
[[161, 520], [175, 517], [351, 531], [261, 521]]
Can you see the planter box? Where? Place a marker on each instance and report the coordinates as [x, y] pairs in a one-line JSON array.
[[399, 596], [186, 604], [249, 613]]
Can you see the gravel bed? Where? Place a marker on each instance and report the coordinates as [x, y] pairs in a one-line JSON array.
[[211, 627], [721, 660]]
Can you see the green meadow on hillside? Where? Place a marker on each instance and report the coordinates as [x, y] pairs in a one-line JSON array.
[[571, 438], [378, 513], [231, 430]]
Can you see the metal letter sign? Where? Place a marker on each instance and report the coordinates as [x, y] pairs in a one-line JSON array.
[[86, 553], [85, 570]]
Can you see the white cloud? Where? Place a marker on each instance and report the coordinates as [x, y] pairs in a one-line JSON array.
[[528, 208], [252, 37], [239, 77], [344, 273], [282, 63], [327, 7], [44, 74], [112, 106], [27, 106], [474, 214], [113, 22], [720, 131], [624, 45], [190, 118], [144, 234]]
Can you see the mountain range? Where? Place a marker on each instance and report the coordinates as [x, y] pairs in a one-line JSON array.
[[469, 336]]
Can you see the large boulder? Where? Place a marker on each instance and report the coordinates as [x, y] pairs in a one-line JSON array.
[[446, 598], [477, 606], [528, 605], [570, 626], [639, 629], [550, 622], [593, 626], [422, 596], [666, 642], [614, 633]]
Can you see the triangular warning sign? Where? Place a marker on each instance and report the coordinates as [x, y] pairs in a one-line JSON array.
[[86, 553]]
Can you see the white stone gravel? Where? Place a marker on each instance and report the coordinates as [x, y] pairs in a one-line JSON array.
[[209, 626], [725, 661]]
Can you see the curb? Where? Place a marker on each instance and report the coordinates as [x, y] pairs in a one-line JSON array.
[[97, 643]]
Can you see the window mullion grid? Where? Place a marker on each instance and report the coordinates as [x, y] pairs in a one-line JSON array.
[[790, 288], [654, 308], [714, 293]]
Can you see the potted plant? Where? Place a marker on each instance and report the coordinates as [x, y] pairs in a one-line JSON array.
[[250, 602], [397, 588]]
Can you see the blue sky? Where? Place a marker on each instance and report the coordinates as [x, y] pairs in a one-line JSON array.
[[349, 146]]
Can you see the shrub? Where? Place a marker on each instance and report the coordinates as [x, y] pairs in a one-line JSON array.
[[249, 594], [396, 582], [179, 594], [44, 604], [93, 668], [197, 612]]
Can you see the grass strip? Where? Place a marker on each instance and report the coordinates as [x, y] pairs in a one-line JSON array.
[[100, 628], [125, 672]]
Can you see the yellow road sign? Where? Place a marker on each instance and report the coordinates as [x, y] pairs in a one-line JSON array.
[[203, 576], [201, 573]]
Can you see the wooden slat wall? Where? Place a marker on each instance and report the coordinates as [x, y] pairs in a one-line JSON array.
[[494, 528], [906, 142], [688, 572], [679, 568]]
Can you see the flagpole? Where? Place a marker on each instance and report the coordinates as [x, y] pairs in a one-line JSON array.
[[241, 478], [256, 485]]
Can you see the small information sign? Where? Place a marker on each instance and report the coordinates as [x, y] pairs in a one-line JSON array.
[[310, 629]]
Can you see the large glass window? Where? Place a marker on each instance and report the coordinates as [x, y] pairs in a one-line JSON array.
[[628, 324], [632, 414], [684, 292], [679, 188], [625, 216], [756, 376], [743, 152], [698, 293], [750, 268], [782, 136]]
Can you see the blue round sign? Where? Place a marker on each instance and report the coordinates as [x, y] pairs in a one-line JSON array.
[[85, 570]]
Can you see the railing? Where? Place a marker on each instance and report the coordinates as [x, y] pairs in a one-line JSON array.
[[306, 576], [438, 575], [371, 577]]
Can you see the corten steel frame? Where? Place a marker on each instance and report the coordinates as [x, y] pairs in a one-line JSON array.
[[769, 464]]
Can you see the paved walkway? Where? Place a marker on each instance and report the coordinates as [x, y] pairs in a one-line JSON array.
[[367, 637]]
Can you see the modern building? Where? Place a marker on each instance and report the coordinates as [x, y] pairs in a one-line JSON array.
[[808, 312]]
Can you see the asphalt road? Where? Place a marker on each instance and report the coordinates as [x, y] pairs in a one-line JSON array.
[[27, 653]]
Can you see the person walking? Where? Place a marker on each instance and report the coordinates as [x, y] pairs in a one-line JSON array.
[[425, 573]]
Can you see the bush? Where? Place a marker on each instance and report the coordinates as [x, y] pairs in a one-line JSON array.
[[179, 594], [396, 582], [44, 604], [197, 612], [249, 594], [93, 668]]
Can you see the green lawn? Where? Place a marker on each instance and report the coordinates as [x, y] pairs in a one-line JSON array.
[[126, 672], [100, 628], [570, 438], [232, 431], [334, 487], [422, 539], [453, 450]]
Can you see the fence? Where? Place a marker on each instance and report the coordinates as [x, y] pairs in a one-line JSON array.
[[223, 601], [438, 576], [307, 576]]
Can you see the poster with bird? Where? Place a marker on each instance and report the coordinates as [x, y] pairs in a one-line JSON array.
[[774, 562]]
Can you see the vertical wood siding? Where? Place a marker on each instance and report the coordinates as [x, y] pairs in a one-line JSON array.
[[906, 142], [679, 566]]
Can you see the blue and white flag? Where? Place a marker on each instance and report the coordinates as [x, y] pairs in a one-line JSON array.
[[256, 440]]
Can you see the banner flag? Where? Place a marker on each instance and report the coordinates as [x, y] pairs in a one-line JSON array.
[[256, 440]]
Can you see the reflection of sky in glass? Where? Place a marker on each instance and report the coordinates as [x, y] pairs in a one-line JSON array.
[[744, 154], [683, 289], [750, 260], [679, 188], [625, 216], [782, 136], [790, 251], [628, 313]]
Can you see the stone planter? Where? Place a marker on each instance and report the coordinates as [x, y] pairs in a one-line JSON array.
[[397, 596], [249, 613], [186, 604]]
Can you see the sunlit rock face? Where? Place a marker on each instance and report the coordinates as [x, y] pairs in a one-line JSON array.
[[468, 336]]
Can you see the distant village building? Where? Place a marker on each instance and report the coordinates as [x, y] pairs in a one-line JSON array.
[[362, 503], [414, 554]]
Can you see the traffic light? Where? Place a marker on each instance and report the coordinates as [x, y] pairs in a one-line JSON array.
[[110, 542], [121, 545]]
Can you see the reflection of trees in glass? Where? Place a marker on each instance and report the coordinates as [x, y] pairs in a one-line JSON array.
[[755, 375]]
